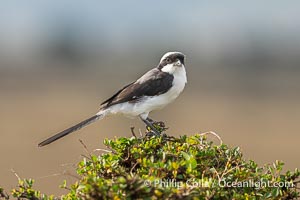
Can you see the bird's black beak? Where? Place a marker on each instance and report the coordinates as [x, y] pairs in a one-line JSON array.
[[178, 63]]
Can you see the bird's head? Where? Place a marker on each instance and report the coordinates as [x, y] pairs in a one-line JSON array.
[[171, 62]]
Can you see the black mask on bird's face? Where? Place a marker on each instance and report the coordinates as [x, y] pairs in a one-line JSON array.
[[172, 58]]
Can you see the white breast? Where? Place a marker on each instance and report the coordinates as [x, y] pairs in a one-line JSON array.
[[179, 82]]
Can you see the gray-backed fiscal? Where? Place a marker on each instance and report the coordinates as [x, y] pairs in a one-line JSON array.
[[154, 90]]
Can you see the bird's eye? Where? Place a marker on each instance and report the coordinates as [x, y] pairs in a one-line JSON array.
[[168, 60]]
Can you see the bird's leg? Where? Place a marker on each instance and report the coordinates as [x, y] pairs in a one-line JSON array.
[[160, 126], [148, 123], [150, 120]]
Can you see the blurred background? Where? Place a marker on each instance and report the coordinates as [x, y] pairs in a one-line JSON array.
[[60, 59]]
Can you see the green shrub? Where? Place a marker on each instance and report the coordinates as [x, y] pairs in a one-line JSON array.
[[188, 167]]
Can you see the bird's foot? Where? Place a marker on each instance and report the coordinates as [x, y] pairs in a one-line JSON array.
[[156, 128]]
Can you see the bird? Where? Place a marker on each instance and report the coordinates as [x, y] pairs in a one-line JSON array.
[[152, 91]]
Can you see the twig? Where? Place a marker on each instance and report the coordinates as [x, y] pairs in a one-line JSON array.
[[214, 134], [85, 147], [140, 131], [67, 173], [128, 154], [229, 170], [107, 151], [132, 131], [133, 169], [60, 174], [296, 182], [73, 165], [219, 178], [4, 195], [211, 196], [84, 156], [15, 173], [52, 175]]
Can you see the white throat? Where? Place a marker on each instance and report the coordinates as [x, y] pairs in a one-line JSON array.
[[169, 68], [179, 74], [178, 71]]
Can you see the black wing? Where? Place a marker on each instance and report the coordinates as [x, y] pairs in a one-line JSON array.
[[154, 82]]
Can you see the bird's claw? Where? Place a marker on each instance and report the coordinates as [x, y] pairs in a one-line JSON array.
[[160, 127]]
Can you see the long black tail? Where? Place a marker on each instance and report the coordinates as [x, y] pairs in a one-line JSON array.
[[70, 130]]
